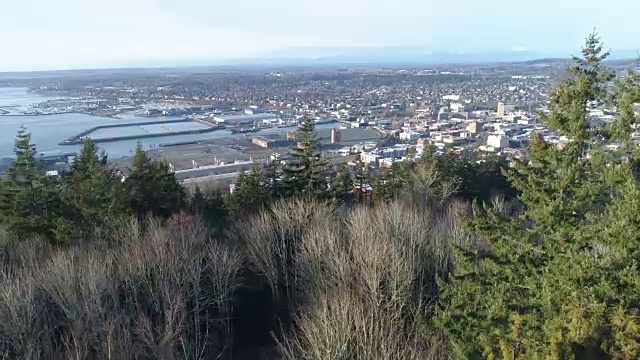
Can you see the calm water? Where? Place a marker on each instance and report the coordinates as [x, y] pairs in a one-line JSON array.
[[49, 130]]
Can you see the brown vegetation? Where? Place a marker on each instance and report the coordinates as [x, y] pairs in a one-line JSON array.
[[344, 284]]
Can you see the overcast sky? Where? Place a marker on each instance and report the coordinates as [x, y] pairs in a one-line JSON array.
[[64, 34]]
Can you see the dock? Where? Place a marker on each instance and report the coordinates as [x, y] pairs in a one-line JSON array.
[[79, 138]]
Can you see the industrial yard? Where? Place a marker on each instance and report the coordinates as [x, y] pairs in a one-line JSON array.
[[221, 151]]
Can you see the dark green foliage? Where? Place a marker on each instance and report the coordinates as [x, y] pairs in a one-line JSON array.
[[198, 201], [363, 180], [250, 193], [547, 268], [437, 177], [29, 201], [89, 198], [306, 171], [209, 208], [385, 186], [152, 188], [342, 185], [559, 279], [273, 178], [215, 214], [568, 104], [93, 191]]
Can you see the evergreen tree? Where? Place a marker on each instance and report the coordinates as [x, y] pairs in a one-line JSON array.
[[306, 172], [198, 201], [30, 201], [273, 177], [342, 184], [210, 208], [387, 184], [151, 187], [363, 181], [93, 190], [249, 194], [555, 281]]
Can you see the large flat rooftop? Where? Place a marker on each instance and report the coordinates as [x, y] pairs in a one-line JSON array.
[[145, 130], [231, 119]]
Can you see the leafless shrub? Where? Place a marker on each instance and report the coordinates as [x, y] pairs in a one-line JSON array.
[[278, 241], [347, 283], [341, 324], [356, 279], [164, 294]]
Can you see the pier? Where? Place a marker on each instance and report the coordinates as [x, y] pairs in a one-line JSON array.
[[79, 138]]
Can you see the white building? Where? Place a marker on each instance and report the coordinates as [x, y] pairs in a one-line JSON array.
[[456, 107], [245, 119], [370, 158], [409, 136], [498, 141]]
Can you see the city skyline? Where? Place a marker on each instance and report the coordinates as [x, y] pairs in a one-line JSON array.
[[70, 34]]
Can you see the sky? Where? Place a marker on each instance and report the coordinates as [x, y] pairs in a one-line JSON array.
[[70, 34]]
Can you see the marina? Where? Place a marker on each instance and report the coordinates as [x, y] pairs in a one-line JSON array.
[[141, 130], [118, 137]]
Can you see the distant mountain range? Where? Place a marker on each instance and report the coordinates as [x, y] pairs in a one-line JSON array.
[[402, 55], [353, 56], [392, 55]]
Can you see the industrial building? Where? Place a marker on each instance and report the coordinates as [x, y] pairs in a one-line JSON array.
[[263, 142], [271, 142], [246, 119], [335, 136]]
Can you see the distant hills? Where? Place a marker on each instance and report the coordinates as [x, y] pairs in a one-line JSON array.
[[341, 56], [390, 55]]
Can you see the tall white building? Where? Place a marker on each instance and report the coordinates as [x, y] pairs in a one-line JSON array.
[[501, 110]]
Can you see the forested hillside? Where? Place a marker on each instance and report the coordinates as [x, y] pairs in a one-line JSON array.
[[450, 256]]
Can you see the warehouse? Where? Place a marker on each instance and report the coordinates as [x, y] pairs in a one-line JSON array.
[[263, 142], [271, 142], [246, 119]]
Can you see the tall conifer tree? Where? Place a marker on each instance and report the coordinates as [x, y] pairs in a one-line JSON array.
[[93, 190], [151, 187], [30, 201], [306, 173], [555, 280]]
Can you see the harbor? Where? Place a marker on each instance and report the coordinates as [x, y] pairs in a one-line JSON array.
[[142, 130]]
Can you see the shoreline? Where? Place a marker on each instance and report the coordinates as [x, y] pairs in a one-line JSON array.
[[62, 113], [9, 114]]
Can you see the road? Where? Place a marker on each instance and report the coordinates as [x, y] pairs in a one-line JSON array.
[[210, 178], [232, 175]]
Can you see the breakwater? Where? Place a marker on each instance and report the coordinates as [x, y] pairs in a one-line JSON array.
[[80, 137]]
